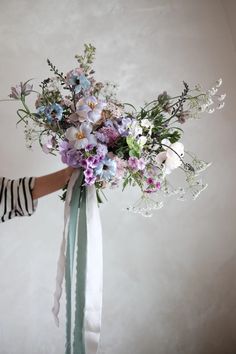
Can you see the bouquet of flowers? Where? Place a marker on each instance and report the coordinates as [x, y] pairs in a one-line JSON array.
[[108, 142], [113, 142]]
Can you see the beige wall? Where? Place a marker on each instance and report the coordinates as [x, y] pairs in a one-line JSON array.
[[169, 281]]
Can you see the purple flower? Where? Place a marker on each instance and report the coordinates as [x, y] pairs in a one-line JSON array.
[[69, 155], [89, 176], [150, 180], [89, 147], [83, 163], [123, 124], [107, 135], [102, 150], [88, 172], [136, 164], [21, 90], [73, 158], [93, 161], [90, 180]]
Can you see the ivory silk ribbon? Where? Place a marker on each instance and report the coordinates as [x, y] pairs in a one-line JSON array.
[[82, 238]]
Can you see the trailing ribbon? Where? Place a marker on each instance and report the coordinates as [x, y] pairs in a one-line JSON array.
[[84, 239]]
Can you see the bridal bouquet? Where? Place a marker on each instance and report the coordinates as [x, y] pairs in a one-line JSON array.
[[113, 142], [109, 143]]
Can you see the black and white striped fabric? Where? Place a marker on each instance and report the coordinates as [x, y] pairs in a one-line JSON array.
[[16, 197]]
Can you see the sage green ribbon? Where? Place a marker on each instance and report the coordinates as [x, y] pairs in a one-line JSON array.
[[84, 242], [78, 344], [70, 252]]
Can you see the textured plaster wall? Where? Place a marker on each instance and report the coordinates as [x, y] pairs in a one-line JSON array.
[[169, 281]]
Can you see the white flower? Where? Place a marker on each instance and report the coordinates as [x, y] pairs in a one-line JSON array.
[[146, 123], [209, 102], [142, 140], [219, 82], [170, 159], [222, 97], [221, 105], [212, 91], [165, 142], [202, 108], [81, 137], [210, 110], [135, 129]]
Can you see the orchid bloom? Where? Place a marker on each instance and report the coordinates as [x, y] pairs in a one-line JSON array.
[[81, 137]]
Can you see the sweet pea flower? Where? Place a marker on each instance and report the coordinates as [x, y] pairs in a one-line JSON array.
[[170, 159], [90, 109], [48, 146], [82, 136]]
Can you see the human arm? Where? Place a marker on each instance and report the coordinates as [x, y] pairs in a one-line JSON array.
[[50, 183]]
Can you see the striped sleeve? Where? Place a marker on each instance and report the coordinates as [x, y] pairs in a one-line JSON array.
[[16, 198]]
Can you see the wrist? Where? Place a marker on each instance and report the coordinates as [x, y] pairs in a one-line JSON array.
[[68, 172]]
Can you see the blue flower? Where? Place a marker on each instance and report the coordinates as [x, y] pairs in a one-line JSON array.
[[77, 80], [106, 169], [53, 112]]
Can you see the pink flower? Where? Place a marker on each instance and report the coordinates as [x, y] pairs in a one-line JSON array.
[[136, 164]]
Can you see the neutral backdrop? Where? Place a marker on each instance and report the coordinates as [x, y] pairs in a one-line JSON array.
[[169, 281]]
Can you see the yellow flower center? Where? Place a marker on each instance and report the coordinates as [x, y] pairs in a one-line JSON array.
[[91, 105], [80, 135]]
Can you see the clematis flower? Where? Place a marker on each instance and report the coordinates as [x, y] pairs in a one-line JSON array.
[[21, 90], [90, 109], [106, 169], [171, 157], [77, 80], [82, 136]]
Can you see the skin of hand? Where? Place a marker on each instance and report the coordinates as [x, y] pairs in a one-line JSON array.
[[50, 183]]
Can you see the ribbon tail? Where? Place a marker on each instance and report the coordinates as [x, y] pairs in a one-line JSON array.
[[74, 206], [61, 259], [78, 344], [89, 276], [94, 274]]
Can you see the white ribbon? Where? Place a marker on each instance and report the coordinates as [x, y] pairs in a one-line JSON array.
[[94, 274]]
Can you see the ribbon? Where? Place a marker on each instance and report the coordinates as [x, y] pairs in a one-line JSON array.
[[84, 239]]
